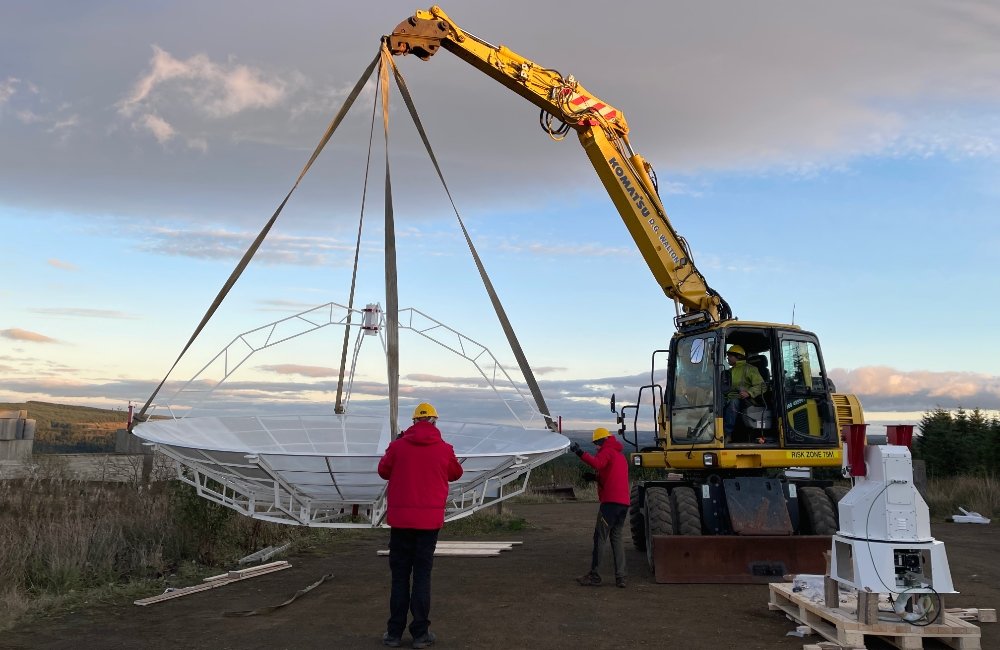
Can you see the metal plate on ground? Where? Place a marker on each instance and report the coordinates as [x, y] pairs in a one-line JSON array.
[[736, 559]]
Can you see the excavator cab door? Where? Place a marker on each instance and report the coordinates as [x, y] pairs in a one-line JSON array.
[[691, 395], [808, 414]]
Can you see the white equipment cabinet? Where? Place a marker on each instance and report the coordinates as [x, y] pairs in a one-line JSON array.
[[884, 544]]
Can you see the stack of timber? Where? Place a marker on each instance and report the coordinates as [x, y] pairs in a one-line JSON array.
[[217, 581], [17, 435], [468, 549], [841, 626]]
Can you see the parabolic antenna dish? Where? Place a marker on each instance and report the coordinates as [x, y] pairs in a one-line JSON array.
[[321, 470]]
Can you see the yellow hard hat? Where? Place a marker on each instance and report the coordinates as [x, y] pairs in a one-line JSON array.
[[600, 433], [424, 410], [736, 349]]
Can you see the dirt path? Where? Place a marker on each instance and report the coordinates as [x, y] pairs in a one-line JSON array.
[[525, 598]]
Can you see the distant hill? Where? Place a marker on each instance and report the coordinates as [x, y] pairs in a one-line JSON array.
[[62, 428]]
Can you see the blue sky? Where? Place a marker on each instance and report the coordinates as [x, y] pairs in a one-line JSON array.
[[835, 161]]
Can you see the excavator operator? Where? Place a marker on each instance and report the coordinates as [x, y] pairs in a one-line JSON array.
[[745, 384]]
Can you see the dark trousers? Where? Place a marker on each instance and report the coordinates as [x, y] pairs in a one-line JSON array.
[[610, 522], [411, 551], [729, 415]]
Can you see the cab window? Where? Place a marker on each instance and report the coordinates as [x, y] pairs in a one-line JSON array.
[[808, 413], [693, 390]]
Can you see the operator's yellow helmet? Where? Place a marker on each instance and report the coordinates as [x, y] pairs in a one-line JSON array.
[[600, 433], [424, 410], [737, 350]]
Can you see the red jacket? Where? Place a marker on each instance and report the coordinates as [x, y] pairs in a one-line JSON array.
[[418, 465], [612, 472]]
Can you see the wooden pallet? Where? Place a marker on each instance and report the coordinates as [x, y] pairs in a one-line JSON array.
[[840, 624]]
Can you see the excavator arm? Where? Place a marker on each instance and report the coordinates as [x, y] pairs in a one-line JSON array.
[[603, 132]]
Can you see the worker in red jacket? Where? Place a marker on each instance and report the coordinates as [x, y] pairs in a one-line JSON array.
[[613, 493], [418, 465]]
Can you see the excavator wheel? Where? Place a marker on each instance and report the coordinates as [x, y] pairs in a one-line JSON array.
[[687, 515], [836, 493], [636, 521], [818, 516], [659, 518]]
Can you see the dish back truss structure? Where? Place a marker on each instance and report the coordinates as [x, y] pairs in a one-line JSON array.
[[321, 470]]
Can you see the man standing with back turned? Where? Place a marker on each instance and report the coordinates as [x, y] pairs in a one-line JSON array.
[[418, 465], [613, 493]]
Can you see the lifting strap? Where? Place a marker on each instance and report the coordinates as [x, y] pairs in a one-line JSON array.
[[339, 404], [263, 233], [391, 293], [522, 361]]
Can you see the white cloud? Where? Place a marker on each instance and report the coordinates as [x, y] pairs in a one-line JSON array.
[[207, 88], [16, 334], [7, 89], [227, 244], [886, 388], [60, 264], [83, 313], [29, 117], [305, 371], [158, 126]]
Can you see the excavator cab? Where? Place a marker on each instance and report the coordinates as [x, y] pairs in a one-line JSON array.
[[789, 403]]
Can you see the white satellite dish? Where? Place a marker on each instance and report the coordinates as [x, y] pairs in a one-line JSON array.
[[320, 470]]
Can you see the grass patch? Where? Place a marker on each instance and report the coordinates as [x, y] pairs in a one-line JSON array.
[[64, 542], [975, 493], [489, 521]]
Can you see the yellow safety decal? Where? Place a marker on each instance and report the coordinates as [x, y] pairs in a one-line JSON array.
[[811, 454]]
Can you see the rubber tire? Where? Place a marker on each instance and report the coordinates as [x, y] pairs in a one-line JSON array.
[[836, 493], [636, 519], [687, 514], [659, 518], [818, 516]]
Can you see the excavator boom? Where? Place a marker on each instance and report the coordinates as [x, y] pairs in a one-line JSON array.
[[602, 131]]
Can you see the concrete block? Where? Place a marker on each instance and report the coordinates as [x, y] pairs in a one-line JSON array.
[[12, 415], [29, 430], [15, 449], [9, 428]]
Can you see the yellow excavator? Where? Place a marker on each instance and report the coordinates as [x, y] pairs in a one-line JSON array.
[[722, 508]]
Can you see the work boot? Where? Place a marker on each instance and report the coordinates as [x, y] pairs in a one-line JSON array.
[[590, 579], [391, 641], [425, 640], [620, 582]]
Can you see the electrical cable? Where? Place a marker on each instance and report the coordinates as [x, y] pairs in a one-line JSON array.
[[889, 589]]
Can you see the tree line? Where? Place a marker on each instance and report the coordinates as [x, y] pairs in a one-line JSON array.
[[959, 443]]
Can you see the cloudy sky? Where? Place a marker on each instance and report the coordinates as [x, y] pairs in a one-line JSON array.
[[831, 163]]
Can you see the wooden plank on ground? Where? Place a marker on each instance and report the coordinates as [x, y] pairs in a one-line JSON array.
[[241, 573], [973, 614], [456, 552], [217, 581], [477, 543], [263, 568], [459, 548]]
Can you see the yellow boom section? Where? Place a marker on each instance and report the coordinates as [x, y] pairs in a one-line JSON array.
[[602, 130]]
